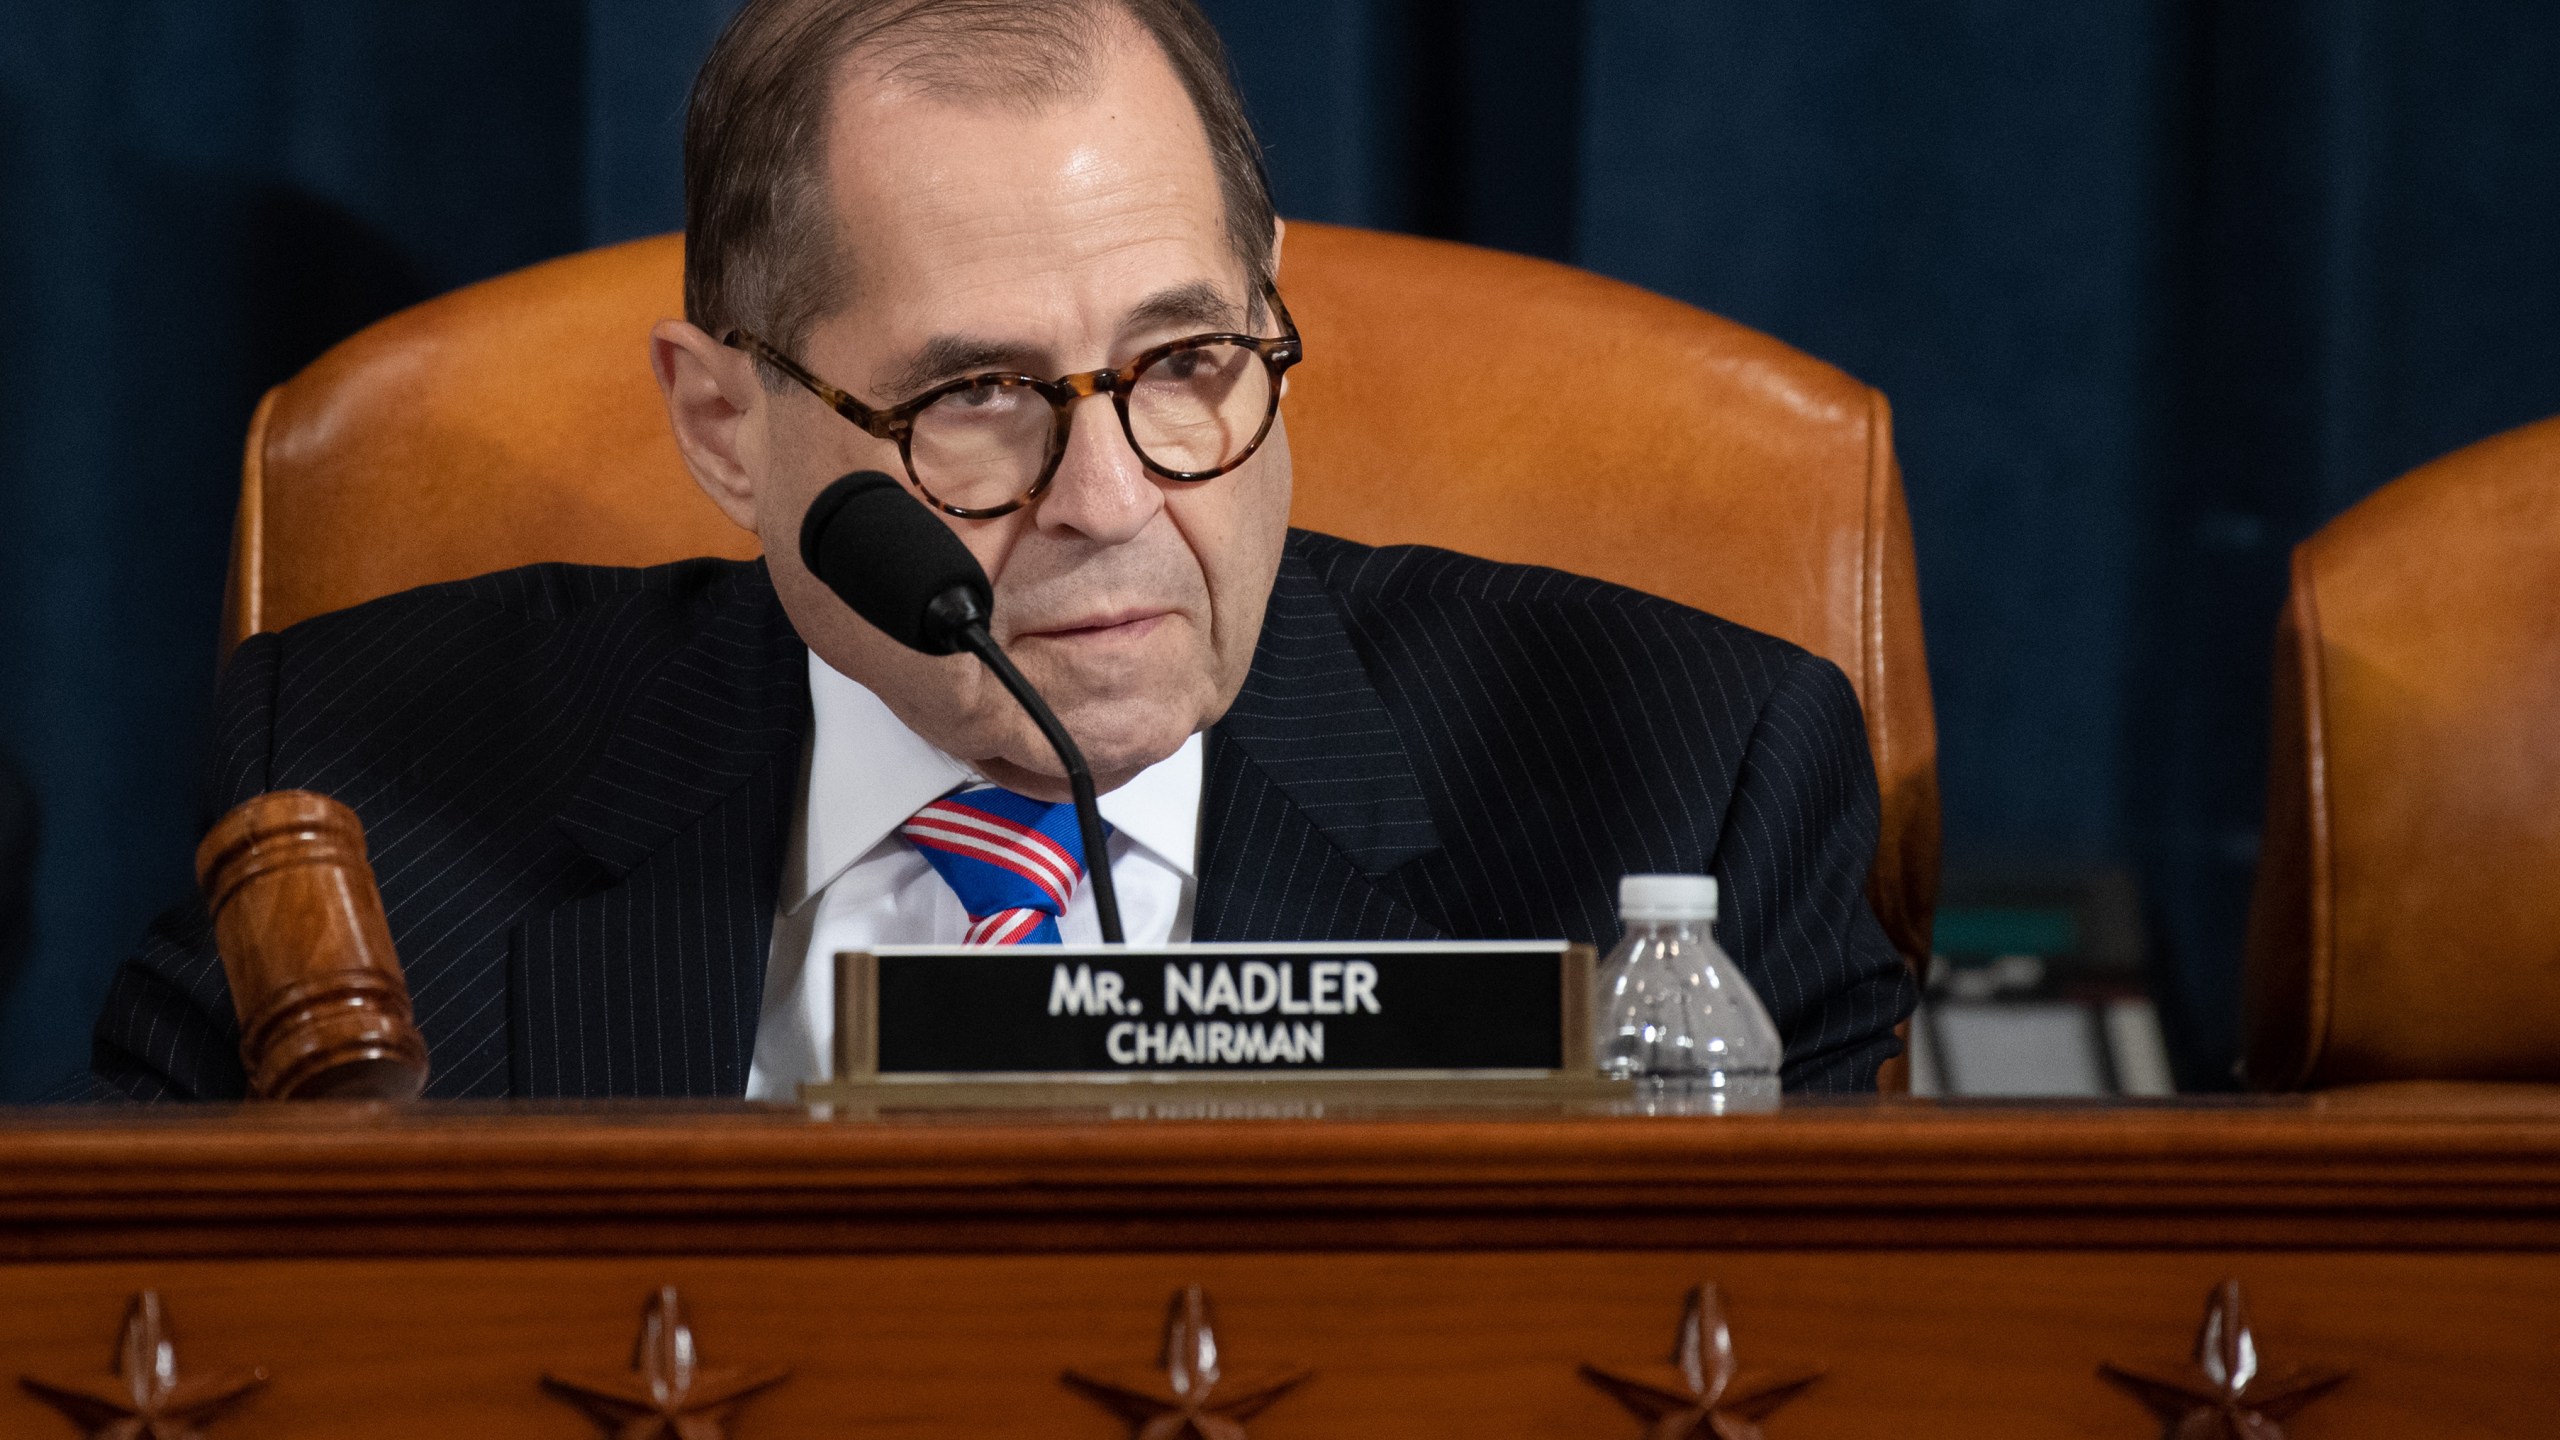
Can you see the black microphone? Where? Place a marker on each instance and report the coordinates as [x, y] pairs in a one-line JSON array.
[[906, 573]]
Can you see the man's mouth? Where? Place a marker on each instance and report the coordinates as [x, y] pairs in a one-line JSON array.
[[1116, 625]]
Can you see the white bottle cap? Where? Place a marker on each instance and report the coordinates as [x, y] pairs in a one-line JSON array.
[[1667, 898]]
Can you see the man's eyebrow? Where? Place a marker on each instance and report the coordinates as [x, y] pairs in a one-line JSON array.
[[948, 357], [1198, 305]]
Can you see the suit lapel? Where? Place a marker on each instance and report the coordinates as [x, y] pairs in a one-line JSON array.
[[646, 978], [1310, 805], [649, 979]]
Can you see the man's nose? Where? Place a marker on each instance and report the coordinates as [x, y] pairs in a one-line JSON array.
[[1102, 491]]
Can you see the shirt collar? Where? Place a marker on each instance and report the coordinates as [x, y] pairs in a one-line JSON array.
[[1160, 808], [867, 773]]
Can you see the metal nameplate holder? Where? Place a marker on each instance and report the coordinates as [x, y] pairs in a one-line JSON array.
[[1424, 1021]]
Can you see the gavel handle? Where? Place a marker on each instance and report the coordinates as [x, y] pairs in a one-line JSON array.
[[324, 1009]]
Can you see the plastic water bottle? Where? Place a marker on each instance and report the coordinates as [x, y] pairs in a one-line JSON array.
[[1673, 1012]]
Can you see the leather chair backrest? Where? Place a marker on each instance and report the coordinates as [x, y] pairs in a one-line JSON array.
[[1485, 402], [2407, 918]]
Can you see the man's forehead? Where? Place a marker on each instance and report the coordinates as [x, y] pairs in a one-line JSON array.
[[963, 194]]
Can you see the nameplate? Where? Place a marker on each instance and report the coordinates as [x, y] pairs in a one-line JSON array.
[[1074, 1013]]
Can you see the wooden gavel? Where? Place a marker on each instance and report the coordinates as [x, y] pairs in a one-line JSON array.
[[324, 1010]]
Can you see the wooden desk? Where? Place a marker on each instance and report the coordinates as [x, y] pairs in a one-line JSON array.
[[1952, 1270]]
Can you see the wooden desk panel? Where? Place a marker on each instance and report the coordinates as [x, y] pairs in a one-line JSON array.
[[1954, 1271], [1467, 1346]]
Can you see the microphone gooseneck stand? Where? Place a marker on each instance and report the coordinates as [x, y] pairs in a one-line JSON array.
[[902, 570], [957, 614]]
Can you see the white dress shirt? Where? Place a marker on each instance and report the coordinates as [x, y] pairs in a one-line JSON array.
[[851, 881]]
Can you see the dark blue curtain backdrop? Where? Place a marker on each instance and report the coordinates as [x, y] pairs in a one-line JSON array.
[[2156, 286]]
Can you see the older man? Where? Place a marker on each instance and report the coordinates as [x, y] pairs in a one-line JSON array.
[[1019, 253]]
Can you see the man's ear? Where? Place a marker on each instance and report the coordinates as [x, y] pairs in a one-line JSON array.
[[1279, 233], [718, 407]]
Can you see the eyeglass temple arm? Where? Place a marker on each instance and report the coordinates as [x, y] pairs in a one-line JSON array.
[[837, 400]]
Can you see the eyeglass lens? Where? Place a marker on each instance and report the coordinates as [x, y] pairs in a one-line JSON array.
[[1192, 411]]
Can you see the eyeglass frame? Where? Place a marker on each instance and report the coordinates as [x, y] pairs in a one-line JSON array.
[[897, 422]]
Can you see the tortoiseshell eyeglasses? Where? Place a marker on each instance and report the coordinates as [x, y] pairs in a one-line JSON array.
[[987, 445]]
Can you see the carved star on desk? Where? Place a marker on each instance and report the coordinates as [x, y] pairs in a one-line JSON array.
[[1188, 1395], [668, 1394], [147, 1399], [1701, 1394], [2226, 1397]]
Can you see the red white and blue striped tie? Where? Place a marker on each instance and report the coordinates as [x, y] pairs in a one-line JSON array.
[[1012, 860]]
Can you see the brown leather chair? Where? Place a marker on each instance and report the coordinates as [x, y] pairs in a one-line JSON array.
[[1460, 397], [2407, 918]]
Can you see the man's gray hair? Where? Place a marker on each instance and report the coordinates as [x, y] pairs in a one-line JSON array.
[[760, 248]]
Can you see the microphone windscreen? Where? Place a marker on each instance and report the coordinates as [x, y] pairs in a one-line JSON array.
[[886, 555]]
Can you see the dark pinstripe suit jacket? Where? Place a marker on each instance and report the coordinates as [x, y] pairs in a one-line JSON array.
[[576, 785]]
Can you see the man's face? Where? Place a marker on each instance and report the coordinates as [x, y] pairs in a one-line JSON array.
[[987, 237]]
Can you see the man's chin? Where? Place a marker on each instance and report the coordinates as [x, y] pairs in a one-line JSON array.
[[1116, 759], [1121, 738]]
